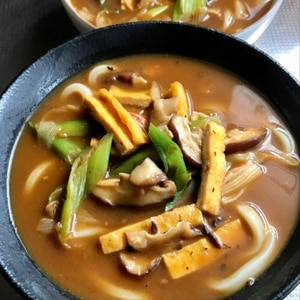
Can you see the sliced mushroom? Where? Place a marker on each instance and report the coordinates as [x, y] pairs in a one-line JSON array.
[[237, 139], [46, 225], [140, 240], [121, 191], [213, 237], [129, 77], [137, 264], [163, 108], [147, 174], [189, 142]]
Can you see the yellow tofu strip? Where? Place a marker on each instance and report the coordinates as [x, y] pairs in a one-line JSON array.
[[106, 109], [182, 108], [213, 169], [116, 240], [141, 99], [199, 254]]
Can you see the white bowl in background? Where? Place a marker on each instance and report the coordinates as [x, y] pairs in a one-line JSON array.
[[249, 34]]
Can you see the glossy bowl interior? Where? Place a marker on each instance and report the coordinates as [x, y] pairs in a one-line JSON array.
[[249, 34], [43, 76]]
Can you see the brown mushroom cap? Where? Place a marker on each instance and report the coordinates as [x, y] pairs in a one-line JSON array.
[[137, 264], [238, 139], [189, 142]]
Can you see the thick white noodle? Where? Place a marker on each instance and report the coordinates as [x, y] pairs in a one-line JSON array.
[[282, 158], [47, 131], [96, 72], [257, 223], [78, 88], [237, 179], [87, 231], [284, 138], [117, 291], [263, 245], [36, 176]]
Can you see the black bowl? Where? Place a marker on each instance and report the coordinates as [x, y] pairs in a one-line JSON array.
[[22, 98]]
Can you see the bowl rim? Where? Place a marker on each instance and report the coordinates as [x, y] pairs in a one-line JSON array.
[[276, 4], [74, 13], [273, 10], [12, 253]]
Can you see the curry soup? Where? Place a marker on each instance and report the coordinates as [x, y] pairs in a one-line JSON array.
[[190, 248]]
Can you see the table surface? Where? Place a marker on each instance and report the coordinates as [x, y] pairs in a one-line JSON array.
[[29, 28]]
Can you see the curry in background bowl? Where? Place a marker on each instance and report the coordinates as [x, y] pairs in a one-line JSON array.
[[155, 171], [246, 19]]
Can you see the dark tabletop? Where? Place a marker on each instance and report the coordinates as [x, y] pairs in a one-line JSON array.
[[30, 28]]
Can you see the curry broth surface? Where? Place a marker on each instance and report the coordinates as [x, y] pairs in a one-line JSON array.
[[81, 269]]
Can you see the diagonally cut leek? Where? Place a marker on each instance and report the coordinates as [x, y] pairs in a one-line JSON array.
[[172, 158], [47, 132], [186, 7], [86, 170], [98, 161], [67, 149], [75, 194], [80, 128]]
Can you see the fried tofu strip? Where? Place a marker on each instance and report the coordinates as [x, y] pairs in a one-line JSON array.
[[106, 109], [183, 108], [141, 99], [213, 169], [116, 240], [201, 253]]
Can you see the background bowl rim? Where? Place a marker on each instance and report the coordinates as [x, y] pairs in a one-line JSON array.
[[260, 21]]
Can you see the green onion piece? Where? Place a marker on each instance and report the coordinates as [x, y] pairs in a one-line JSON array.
[[172, 158], [73, 128], [86, 170], [155, 11], [98, 161], [202, 121], [135, 159], [47, 131], [75, 194], [67, 149], [183, 7]]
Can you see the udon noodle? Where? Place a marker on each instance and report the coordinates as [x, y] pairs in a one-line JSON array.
[[154, 177]]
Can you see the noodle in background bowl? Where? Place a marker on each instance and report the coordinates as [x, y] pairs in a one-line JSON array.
[[249, 34], [22, 98]]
